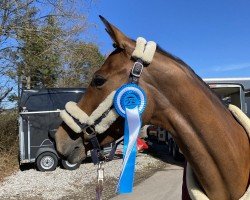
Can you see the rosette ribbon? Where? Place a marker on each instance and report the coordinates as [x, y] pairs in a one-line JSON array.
[[130, 102]]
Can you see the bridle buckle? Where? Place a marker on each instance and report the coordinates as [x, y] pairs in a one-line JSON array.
[[89, 132], [137, 69]]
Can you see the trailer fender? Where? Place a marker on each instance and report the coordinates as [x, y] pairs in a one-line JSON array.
[[46, 149]]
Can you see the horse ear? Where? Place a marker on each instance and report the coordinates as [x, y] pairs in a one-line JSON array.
[[116, 35]]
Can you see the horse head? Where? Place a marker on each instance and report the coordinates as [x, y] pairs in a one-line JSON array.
[[177, 100], [112, 74]]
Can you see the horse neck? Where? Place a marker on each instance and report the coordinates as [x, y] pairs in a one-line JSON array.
[[204, 129]]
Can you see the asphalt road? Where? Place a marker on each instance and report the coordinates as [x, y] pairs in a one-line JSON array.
[[163, 185]]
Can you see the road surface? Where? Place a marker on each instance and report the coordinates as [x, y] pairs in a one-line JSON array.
[[163, 185]]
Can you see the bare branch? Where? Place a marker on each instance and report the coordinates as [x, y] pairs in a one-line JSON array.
[[5, 94]]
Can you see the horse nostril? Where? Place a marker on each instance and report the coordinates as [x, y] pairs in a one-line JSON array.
[[77, 155], [75, 149]]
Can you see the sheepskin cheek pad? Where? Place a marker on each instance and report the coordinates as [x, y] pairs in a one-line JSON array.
[[144, 50], [104, 106], [72, 108], [70, 122], [106, 122]]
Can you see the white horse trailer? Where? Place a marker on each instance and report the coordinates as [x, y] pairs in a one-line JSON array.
[[234, 91]]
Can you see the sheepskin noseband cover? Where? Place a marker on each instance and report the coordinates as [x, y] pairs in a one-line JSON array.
[[73, 111]]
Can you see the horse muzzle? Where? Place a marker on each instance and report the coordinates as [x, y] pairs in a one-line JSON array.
[[69, 145]]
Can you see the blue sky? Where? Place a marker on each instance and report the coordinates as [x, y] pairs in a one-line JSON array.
[[213, 37]]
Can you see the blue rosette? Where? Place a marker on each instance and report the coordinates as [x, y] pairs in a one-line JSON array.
[[129, 96], [130, 102]]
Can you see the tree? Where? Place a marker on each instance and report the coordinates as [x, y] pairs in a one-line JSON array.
[[40, 60], [81, 62], [35, 36], [4, 94]]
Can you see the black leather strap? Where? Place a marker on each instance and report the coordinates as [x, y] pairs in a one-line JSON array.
[[82, 126], [103, 116], [136, 71], [95, 152], [113, 150]]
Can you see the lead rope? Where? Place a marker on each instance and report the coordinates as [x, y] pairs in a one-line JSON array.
[[100, 179]]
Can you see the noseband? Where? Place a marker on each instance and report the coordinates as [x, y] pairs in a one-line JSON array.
[[105, 115]]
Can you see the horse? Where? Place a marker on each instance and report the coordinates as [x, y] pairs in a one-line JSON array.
[[212, 141]]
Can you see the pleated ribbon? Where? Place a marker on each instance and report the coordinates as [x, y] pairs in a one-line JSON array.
[[129, 101]]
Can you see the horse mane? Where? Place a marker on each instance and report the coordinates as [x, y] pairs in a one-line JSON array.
[[173, 57], [181, 62], [160, 50]]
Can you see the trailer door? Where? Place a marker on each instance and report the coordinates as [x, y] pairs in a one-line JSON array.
[[230, 93], [247, 98]]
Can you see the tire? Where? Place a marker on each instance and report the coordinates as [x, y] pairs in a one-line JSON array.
[[68, 166], [47, 161], [176, 153]]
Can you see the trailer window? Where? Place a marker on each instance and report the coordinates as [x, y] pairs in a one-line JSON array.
[[60, 99], [229, 95], [38, 102], [51, 101]]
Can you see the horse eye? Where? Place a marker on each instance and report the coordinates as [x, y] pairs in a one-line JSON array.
[[98, 81]]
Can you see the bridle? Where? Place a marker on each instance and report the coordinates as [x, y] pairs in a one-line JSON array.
[[90, 136], [104, 115], [98, 123], [89, 132]]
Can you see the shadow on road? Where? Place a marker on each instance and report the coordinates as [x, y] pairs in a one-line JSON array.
[[160, 151]]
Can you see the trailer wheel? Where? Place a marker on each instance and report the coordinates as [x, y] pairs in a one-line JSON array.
[[46, 161], [69, 166]]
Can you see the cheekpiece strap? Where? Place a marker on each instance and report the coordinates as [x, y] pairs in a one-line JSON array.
[[143, 54], [136, 71]]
